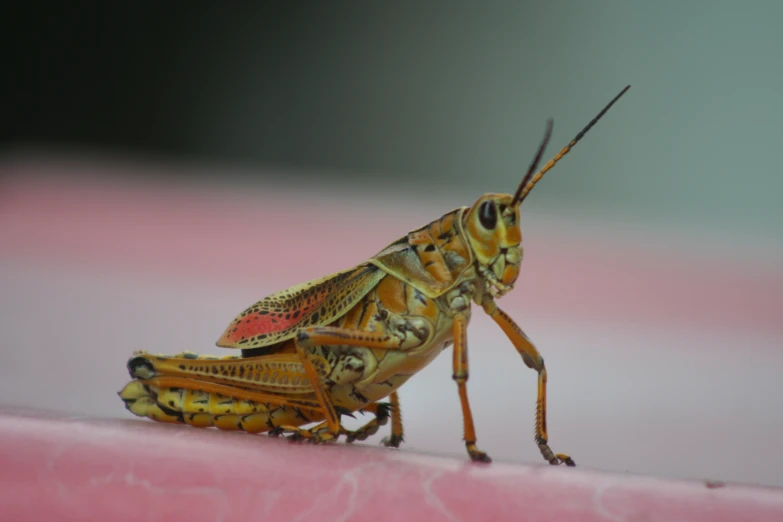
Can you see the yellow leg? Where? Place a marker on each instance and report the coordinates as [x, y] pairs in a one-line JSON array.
[[282, 373], [533, 360], [460, 375]]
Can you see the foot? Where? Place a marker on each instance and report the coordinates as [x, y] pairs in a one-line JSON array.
[[371, 428], [553, 458], [476, 455], [392, 441], [316, 435]]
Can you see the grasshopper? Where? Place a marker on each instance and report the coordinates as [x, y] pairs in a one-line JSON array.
[[343, 343]]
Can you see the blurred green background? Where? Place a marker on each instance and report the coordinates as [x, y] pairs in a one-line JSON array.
[[434, 98]]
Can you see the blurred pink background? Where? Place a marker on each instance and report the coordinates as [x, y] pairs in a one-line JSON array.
[[662, 345]]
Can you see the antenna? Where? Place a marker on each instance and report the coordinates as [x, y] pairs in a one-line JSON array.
[[529, 182]]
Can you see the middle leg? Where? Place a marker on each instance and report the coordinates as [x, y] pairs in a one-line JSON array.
[[333, 336], [396, 437]]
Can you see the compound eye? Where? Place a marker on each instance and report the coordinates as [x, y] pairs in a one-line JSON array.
[[488, 215]]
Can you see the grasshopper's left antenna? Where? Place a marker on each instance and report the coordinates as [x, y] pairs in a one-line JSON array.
[[534, 165], [529, 181]]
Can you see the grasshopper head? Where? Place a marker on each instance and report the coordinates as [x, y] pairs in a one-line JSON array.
[[492, 223], [492, 226]]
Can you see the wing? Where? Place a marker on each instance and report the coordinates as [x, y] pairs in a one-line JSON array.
[[277, 318], [430, 259]]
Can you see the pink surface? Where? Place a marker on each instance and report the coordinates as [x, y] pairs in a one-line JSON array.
[[66, 469], [662, 360]]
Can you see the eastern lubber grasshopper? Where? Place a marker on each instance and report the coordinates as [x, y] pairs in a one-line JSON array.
[[343, 343]]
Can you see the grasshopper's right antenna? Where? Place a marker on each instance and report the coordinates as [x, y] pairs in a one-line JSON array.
[[529, 182]]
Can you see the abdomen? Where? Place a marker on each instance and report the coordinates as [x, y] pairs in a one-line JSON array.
[[202, 409]]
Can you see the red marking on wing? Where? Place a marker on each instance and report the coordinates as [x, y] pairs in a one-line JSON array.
[[259, 323]]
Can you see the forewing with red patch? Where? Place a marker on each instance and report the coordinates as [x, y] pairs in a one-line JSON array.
[[277, 317]]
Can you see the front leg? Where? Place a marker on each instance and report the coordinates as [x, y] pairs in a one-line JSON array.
[[460, 375], [533, 360]]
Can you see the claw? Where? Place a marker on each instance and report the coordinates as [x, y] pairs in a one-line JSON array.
[[344, 411], [295, 437], [477, 455], [565, 459], [392, 442]]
